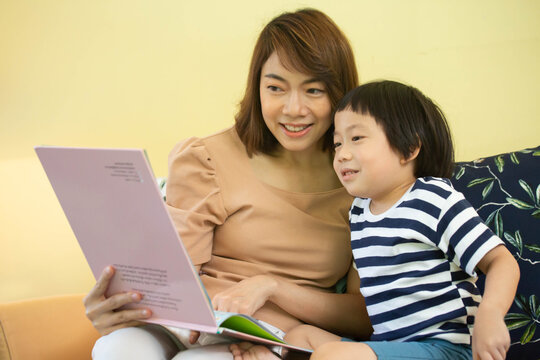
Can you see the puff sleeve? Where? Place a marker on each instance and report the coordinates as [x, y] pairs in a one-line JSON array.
[[194, 198]]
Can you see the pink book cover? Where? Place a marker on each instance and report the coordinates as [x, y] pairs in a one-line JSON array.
[[116, 211]]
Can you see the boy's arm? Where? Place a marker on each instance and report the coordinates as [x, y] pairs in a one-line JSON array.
[[491, 338]]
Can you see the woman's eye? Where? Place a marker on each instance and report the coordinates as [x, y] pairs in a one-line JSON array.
[[336, 145], [314, 91], [273, 88], [356, 138]]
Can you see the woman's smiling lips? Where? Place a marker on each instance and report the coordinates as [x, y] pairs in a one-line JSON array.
[[295, 130]]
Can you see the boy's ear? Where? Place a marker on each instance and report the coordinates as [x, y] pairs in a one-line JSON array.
[[412, 155]]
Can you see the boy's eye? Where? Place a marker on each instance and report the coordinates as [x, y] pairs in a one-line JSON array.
[[336, 145], [356, 138]]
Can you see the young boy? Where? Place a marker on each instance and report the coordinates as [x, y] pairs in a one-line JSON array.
[[417, 243]]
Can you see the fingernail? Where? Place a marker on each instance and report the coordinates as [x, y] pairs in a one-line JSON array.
[[146, 312], [136, 296]]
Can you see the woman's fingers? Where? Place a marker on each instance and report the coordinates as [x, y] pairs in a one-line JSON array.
[[247, 296], [104, 312], [116, 301], [105, 317], [229, 303], [120, 318], [99, 289], [194, 336]]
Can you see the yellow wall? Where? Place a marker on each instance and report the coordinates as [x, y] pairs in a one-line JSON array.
[[134, 73]]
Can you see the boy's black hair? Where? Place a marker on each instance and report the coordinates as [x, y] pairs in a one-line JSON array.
[[410, 120]]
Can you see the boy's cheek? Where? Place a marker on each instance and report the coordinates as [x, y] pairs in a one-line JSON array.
[[334, 165]]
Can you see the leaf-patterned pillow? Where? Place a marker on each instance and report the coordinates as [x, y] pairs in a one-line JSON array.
[[162, 184], [505, 191]]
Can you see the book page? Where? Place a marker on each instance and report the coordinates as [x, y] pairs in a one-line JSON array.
[[248, 325]]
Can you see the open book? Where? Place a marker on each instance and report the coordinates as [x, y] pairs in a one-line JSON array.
[[116, 211]]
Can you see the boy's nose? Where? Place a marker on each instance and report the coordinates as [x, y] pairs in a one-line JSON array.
[[342, 154]]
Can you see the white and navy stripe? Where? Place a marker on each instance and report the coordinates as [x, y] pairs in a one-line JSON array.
[[417, 263]]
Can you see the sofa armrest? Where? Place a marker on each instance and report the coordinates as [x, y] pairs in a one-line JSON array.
[[46, 328]]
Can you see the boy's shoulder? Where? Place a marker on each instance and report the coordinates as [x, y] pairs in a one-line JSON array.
[[441, 186], [438, 181]]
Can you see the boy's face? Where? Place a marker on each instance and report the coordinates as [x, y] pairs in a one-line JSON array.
[[365, 162]]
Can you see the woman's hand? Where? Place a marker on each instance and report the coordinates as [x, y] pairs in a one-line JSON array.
[[247, 296], [103, 312]]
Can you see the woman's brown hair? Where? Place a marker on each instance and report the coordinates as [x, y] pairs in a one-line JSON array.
[[307, 41]]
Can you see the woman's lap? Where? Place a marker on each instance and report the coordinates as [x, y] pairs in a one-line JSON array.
[[143, 342], [214, 352], [152, 343]]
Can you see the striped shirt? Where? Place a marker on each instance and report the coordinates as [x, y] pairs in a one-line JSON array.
[[417, 263]]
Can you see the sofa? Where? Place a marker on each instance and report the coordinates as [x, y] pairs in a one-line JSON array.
[[505, 191], [504, 188], [48, 328]]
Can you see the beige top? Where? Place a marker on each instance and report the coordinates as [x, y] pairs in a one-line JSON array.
[[236, 226]]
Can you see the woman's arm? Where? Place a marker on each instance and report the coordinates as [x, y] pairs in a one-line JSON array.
[[490, 336], [344, 314]]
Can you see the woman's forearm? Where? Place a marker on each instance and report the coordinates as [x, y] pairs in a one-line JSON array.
[[343, 314]]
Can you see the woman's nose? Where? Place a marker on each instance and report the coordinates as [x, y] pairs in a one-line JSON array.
[[294, 105]]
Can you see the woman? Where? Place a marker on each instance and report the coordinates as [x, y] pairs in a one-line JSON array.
[[258, 206]]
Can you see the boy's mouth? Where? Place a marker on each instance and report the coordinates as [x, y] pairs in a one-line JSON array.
[[347, 173]]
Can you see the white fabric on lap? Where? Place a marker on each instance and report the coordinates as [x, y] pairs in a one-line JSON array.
[[153, 343], [213, 352], [134, 343]]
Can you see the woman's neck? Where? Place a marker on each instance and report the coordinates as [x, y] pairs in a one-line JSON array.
[[303, 172], [307, 159]]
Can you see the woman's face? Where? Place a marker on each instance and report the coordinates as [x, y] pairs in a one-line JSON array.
[[295, 106]]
